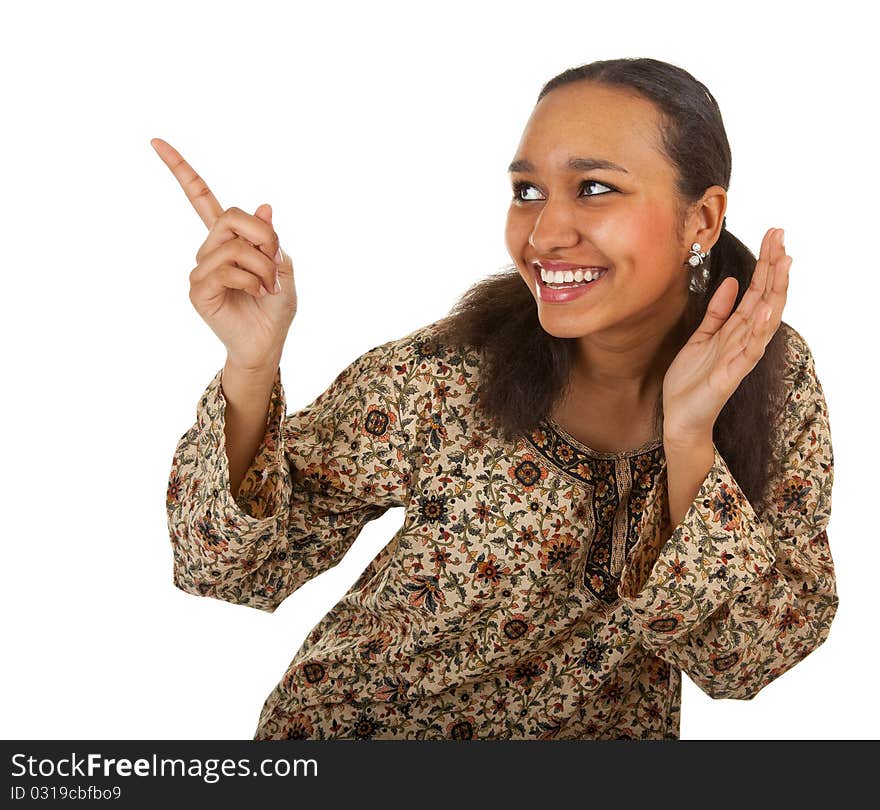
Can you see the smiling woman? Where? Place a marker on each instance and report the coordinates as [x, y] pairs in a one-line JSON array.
[[623, 165], [564, 555]]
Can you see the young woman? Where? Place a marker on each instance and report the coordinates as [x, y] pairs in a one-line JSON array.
[[615, 459]]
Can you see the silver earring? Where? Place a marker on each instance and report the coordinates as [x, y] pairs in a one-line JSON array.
[[699, 277], [697, 258]]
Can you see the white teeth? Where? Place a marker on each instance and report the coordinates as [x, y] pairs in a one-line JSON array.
[[567, 276]]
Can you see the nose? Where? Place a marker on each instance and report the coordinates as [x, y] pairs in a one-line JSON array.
[[555, 227]]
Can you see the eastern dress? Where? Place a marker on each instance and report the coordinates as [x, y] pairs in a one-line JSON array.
[[529, 593]]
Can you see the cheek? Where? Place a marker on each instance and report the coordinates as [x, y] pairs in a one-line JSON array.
[[646, 234], [516, 234], [516, 239]]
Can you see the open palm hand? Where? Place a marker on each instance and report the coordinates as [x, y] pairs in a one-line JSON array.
[[726, 346]]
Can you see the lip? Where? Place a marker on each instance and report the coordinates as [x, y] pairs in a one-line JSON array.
[[551, 265], [551, 296]]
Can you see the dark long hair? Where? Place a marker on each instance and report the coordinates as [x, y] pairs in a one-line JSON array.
[[525, 371]]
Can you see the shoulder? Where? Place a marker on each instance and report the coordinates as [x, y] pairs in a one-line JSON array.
[[800, 366], [423, 351], [797, 348], [804, 396], [397, 353], [429, 378], [401, 371], [415, 346]]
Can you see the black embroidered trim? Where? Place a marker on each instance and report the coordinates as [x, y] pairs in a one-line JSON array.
[[589, 471]]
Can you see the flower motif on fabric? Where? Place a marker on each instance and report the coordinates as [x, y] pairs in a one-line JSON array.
[[372, 647], [462, 730], [593, 656], [476, 444], [427, 347], [377, 423], [487, 570], [726, 507], [210, 539], [324, 477], [791, 618], [721, 663], [313, 672], [527, 473], [526, 673], [174, 490], [432, 509], [367, 727], [425, 591], [564, 453], [665, 624], [515, 627], [793, 494], [557, 552], [436, 430], [393, 690], [296, 726], [678, 569]]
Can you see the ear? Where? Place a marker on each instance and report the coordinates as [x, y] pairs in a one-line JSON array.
[[707, 217]]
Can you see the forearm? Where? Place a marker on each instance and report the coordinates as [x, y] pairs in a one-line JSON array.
[[687, 465], [247, 395]]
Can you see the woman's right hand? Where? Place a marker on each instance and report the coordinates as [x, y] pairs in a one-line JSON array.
[[234, 264]]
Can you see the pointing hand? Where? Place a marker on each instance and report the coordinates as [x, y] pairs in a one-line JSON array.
[[242, 285]]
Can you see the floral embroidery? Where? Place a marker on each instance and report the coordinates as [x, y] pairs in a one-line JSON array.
[[535, 589]]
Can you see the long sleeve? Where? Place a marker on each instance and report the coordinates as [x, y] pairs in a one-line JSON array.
[[734, 599], [318, 476]]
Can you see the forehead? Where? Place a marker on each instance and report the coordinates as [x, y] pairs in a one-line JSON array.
[[589, 120]]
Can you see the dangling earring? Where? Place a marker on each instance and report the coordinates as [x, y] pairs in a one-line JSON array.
[[699, 280], [697, 258]]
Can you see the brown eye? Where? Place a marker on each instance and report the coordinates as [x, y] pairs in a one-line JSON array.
[[596, 183], [521, 184], [518, 187]]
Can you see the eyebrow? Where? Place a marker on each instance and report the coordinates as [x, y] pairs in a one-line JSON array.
[[576, 163]]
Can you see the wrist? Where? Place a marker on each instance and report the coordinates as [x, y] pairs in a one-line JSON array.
[[260, 371], [688, 462], [243, 387], [681, 443], [684, 441]]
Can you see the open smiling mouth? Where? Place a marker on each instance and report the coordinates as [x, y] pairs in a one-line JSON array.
[[566, 291]]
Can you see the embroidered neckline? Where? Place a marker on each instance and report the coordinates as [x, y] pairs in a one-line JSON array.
[[555, 427]]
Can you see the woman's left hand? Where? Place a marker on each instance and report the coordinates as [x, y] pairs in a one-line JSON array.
[[725, 347]]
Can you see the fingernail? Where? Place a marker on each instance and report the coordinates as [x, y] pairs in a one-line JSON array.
[[767, 316], [782, 238], [263, 291], [277, 285], [278, 257]]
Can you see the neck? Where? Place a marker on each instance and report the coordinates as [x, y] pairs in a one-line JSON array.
[[626, 369]]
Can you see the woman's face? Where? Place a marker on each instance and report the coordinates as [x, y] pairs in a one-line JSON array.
[[621, 219]]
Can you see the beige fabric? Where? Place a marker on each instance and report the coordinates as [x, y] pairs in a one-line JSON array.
[[527, 594]]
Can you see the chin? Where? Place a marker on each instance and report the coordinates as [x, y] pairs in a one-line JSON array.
[[564, 326], [563, 321]]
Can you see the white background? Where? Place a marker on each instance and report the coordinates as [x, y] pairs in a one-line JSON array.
[[380, 133]]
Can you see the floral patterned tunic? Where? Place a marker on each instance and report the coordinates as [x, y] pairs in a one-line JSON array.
[[529, 593]]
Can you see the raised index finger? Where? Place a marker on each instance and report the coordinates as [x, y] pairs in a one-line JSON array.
[[194, 187]]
